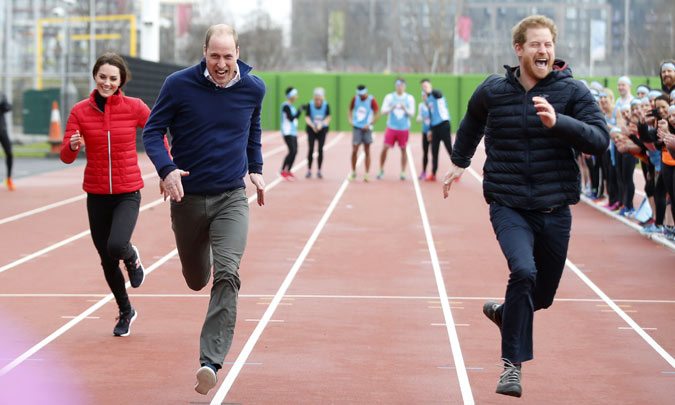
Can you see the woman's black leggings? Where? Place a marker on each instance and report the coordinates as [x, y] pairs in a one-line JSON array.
[[112, 218], [626, 169], [292, 143], [311, 138], [7, 147]]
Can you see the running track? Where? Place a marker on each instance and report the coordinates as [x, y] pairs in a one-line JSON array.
[[351, 293]]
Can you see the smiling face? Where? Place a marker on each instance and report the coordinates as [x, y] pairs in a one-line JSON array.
[[671, 118], [107, 80], [536, 55], [221, 56], [662, 107]]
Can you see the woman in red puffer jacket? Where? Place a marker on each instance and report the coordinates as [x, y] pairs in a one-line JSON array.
[[107, 122]]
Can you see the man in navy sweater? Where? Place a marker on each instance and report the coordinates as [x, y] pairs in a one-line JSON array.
[[213, 113], [532, 119]]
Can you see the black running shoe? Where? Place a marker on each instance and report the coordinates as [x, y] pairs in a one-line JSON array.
[[492, 311], [509, 381], [135, 269], [124, 322]]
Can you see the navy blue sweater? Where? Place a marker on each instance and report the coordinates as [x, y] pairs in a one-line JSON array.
[[215, 131]]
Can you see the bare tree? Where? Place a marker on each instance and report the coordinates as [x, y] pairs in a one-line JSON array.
[[262, 41]]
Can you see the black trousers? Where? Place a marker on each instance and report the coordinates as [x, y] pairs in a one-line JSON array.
[[610, 174], [535, 246], [668, 176], [112, 219], [425, 151], [292, 143], [7, 147], [440, 132], [625, 163], [593, 164], [312, 137]]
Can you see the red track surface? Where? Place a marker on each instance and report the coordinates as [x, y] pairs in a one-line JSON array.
[[361, 320]]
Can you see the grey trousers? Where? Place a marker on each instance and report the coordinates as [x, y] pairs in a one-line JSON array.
[[212, 230]]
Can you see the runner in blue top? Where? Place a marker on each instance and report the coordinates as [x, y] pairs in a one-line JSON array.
[[317, 118], [400, 106], [289, 130], [363, 114], [440, 124], [424, 117]]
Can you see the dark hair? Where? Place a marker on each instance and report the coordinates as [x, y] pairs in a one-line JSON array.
[[663, 97], [289, 89], [401, 79], [113, 60], [360, 87], [425, 80], [221, 29]]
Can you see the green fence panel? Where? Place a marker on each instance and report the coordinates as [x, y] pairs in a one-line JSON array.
[[467, 85], [37, 110], [269, 116]]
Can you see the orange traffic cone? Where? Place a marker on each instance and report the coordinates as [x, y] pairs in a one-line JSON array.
[[55, 134]]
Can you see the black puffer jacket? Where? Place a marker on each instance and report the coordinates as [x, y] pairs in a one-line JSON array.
[[530, 166]]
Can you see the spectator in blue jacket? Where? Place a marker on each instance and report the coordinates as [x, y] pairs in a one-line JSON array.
[[532, 120], [212, 152]]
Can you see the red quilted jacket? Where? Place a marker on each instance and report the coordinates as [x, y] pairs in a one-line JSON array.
[[110, 140]]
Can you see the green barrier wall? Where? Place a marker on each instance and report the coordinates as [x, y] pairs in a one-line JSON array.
[[341, 87]]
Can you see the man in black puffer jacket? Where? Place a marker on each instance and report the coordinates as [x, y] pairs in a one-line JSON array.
[[532, 119]]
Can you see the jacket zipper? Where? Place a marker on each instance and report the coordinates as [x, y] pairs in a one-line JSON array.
[[109, 164], [527, 149]]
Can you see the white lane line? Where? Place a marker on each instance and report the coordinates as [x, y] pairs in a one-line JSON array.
[[267, 316], [143, 208], [64, 242], [666, 356], [464, 385], [612, 304], [28, 353], [629, 328], [303, 163], [56, 204]]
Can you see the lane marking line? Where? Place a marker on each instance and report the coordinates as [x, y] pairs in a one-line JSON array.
[[465, 386], [651, 342], [65, 242], [629, 328], [63, 329], [264, 320], [57, 204]]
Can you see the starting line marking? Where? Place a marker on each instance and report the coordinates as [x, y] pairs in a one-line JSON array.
[[308, 296]]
